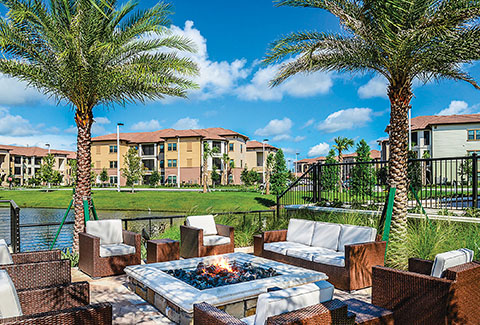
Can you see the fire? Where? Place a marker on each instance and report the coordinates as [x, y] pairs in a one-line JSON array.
[[222, 264]]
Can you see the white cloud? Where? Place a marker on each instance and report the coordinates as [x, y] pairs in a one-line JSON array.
[[345, 119], [320, 149], [275, 128], [282, 137], [56, 141], [102, 120], [308, 123], [290, 151], [71, 130], [15, 125], [187, 123], [458, 107], [151, 125], [15, 92], [375, 87], [299, 138]]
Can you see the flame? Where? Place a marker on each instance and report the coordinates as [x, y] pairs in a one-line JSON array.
[[222, 264]]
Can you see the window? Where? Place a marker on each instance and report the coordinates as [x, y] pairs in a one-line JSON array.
[[162, 148], [230, 147], [218, 145], [38, 161], [113, 164], [241, 163], [113, 179], [172, 179], [169, 164], [169, 147], [113, 149], [149, 164], [471, 152], [241, 148], [414, 139], [162, 163], [148, 150], [172, 147], [189, 147], [174, 163], [99, 150], [18, 160], [426, 138], [473, 135], [189, 162], [18, 171]]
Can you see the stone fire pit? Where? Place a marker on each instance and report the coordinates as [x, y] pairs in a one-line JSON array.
[[175, 297]]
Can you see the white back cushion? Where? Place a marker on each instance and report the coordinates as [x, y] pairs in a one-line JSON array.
[[207, 223], [300, 231], [5, 257], [282, 301], [9, 304], [350, 235], [109, 231], [326, 235], [450, 259]]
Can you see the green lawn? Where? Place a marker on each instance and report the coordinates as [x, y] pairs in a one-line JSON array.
[[155, 201]]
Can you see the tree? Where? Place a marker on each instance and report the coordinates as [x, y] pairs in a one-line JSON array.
[[401, 40], [133, 170], [93, 53], [215, 176], [73, 170], [57, 177], [341, 144], [104, 176], [465, 169], [254, 177], [207, 153], [414, 171], [279, 176], [225, 162], [154, 178], [269, 163], [46, 169], [362, 176], [244, 176], [231, 166], [330, 172]]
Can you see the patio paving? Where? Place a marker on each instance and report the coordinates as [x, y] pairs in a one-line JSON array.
[[129, 308]]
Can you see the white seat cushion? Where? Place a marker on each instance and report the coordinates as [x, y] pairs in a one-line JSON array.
[[207, 223], [330, 257], [5, 257], [281, 247], [116, 250], [9, 306], [250, 320], [450, 259], [282, 301], [326, 235], [109, 231], [214, 240], [350, 235], [300, 231], [2, 241]]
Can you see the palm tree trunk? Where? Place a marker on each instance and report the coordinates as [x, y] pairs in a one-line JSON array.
[[204, 176], [83, 186], [340, 174], [267, 183], [400, 95]]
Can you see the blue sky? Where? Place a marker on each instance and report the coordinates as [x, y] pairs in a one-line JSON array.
[[303, 115]]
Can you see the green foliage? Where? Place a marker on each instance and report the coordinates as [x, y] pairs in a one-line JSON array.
[[154, 178], [425, 240], [279, 176], [73, 167], [104, 175], [249, 177], [69, 254], [362, 176], [215, 176], [414, 171], [329, 176], [93, 175], [342, 144], [244, 176], [133, 170], [46, 172], [465, 170]]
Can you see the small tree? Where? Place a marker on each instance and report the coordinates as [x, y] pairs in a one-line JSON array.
[[154, 178], [215, 176], [270, 161], [465, 170], [231, 166], [414, 171], [46, 170], [93, 176], [279, 174], [133, 170], [225, 163], [329, 176], [73, 170], [341, 144], [244, 176], [57, 177], [207, 153], [363, 177], [254, 177], [104, 176]]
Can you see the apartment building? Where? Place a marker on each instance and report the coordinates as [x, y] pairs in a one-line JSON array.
[[257, 153], [175, 154], [301, 166], [442, 136], [24, 163]]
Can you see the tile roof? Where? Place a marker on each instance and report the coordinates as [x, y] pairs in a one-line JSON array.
[[36, 151], [423, 122], [256, 144]]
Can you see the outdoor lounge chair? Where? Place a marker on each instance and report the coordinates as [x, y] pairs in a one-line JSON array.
[[106, 249], [202, 237], [431, 292], [307, 304], [345, 253], [63, 304]]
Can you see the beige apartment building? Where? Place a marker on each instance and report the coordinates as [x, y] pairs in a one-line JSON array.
[[175, 154], [24, 163], [257, 153]]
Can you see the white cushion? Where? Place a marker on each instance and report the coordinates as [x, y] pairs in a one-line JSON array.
[[282, 301], [207, 223], [5, 257], [214, 240], [450, 259], [9, 306], [330, 258], [2, 241], [250, 320], [300, 231], [326, 235], [116, 250], [109, 231], [350, 235], [281, 247]]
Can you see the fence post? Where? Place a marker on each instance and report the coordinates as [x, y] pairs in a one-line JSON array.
[[15, 227], [278, 207], [314, 183], [475, 179]]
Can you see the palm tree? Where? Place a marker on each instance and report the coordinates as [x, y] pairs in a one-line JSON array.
[[207, 153], [269, 163], [90, 54], [225, 162], [341, 144], [401, 40]]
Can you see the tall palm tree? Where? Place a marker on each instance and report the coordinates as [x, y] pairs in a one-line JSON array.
[[225, 162], [399, 39], [341, 144], [90, 54], [207, 153]]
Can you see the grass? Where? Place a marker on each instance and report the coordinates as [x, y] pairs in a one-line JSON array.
[[168, 201]]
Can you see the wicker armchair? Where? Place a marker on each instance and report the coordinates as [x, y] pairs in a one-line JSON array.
[[92, 264], [47, 266], [330, 312], [418, 298], [64, 304], [194, 240]]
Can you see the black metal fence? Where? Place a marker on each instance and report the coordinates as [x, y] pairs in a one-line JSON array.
[[437, 183]]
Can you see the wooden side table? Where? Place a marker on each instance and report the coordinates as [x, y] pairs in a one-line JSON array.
[[368, 314], [162, 250]]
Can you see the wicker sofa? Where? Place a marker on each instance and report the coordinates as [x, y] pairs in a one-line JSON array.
[[201, 236], [423, 296], [345, 253], [307, 304], [106, 249]]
